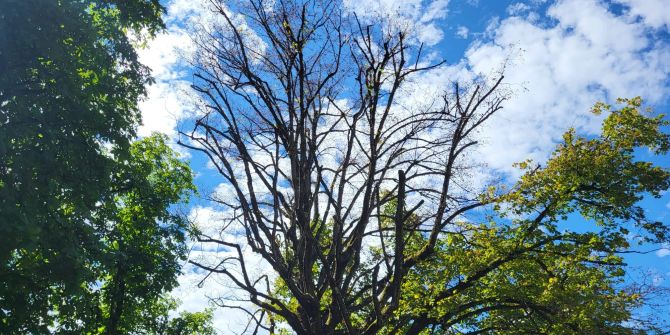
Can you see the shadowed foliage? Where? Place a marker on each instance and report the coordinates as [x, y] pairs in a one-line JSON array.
[[89, 240]]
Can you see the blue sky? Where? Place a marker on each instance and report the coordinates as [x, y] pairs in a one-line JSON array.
[[559, 58]]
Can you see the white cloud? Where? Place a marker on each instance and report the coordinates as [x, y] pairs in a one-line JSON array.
[[517, 8], [163, 108], [195, 297], [167, 100], [418, 17], [664, 251], [654, 13], [198, 289], [462, 32], [558, 71]]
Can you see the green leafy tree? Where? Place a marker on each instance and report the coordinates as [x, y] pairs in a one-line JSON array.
[[141, 242], [144, 238], [155, 319], [87, 237], [198, 323]]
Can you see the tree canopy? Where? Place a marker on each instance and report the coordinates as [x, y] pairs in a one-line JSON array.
[[89, 236]]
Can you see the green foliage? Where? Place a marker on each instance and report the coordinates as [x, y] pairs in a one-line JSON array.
[[528, 274], [87, 237], [68, 88], [155, 319], [137, 257], [198, 323], [600, 178], [143, 238]]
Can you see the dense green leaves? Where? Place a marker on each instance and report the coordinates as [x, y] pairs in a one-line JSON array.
[[198, 323], [139, 244], [155, 319], [143, 238], [89, 239]]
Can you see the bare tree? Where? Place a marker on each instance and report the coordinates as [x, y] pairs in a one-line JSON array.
[[301, 120], [331, 175]]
